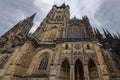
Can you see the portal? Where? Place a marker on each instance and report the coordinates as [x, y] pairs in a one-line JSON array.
[[79, 74], [65, 70]]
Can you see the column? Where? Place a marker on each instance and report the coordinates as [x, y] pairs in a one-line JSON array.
[[58, 73], [72, 72], [86, 72], [64, 33]]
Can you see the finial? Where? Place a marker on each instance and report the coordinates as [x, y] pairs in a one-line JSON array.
[[63, 5], [32, 17], [74, 17]]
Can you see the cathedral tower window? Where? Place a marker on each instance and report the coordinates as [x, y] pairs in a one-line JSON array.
[[43, 63], [88, 46], [74, 32], [66, 46], [53, 33], [58, 17]]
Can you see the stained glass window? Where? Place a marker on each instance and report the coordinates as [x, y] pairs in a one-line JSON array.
[[74, 32]]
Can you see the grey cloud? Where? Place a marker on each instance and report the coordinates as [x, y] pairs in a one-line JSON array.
[[102, 13], [13, 11], [109, 15]]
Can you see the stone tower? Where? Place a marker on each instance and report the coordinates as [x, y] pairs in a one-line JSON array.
[[16, 35], [60, 49]]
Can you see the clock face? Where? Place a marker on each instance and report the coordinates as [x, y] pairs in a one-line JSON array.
[[77, 46]]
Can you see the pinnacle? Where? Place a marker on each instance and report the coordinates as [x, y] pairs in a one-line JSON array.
[[32, 17]]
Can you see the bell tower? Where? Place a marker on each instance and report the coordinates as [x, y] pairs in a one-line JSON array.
[[53, 26]]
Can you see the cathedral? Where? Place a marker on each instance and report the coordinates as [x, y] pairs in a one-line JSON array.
[[61, 48]]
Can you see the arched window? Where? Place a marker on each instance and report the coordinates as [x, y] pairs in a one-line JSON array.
[[74, 32], [43, 63], [53, 33], [88, 46], [66, 46]]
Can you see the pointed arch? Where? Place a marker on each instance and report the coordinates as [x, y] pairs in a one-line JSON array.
[[53, 33], [65, 70], [79, 73], [34, 66], [44, 62], [93, 73]]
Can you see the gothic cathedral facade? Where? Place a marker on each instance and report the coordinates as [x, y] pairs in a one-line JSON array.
[[60, 49]]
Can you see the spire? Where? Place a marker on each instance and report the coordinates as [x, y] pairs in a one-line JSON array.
[[74, 17], [109, 34], [63, 5], [98, 34], [115, 36], [18, 33], [95, 33], [104, 32], [118, 35], [32, 17]]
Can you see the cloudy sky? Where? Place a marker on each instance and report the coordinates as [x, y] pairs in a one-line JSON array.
[[102, 13]]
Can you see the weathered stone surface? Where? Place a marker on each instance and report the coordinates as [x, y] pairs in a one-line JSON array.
[[54, 48]]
